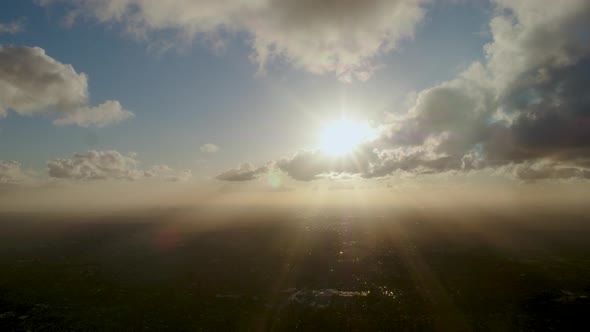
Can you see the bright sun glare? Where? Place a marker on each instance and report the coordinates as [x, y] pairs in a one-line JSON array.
[[344, 136]]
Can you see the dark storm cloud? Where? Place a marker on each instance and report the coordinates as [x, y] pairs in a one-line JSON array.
[[556, 120]]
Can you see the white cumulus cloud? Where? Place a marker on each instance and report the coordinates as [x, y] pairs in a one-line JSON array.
[[31, 82], [339, 36], [11, 172], [96, 165]]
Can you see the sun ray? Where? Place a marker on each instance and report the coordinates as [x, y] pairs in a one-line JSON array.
[[344, 136]]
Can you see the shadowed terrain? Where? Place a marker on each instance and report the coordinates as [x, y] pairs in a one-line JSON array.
[[186, 270]]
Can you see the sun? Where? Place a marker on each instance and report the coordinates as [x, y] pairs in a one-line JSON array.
[[344, 136]]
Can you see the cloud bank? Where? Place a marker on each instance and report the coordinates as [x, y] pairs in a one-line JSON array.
[[109, 165], [167, 173], [338, 36], [525, 110], [244, 172], [31, 82]]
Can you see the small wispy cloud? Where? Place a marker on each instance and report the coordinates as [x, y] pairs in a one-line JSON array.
[[12, 27], [209, 148]]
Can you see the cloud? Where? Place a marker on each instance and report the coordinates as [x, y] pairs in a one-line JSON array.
[[527, 104], [107, 113], [209, 148], [307, 165], [13, 27], [547, 169], [31, 82], [96, 165], [244, 172], [167, 173], [365, 161], [339, 36], [527, 107], [532, 36], [183, 175], [447, 118], [11, 172], [109, 165]]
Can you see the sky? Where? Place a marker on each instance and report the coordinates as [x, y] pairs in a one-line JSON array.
[[293, 94]]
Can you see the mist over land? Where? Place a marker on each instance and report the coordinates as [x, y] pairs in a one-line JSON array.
[[257, 267]]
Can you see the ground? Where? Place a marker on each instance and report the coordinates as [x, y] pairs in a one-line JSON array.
[[296, 269]]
